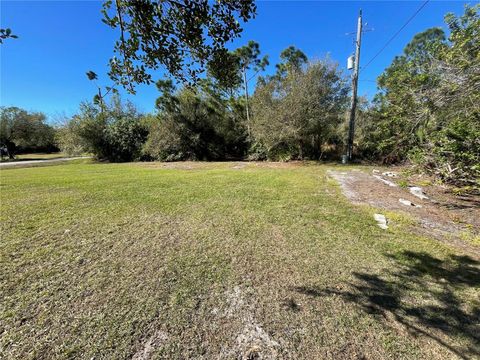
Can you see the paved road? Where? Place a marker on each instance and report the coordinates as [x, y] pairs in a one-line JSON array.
[[10, 164]]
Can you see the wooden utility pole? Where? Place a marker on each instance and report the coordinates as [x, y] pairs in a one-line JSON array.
[[351, 129], [246, 99]]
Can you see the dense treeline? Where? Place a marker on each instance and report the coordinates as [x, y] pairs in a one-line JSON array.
[[294, 114], [22, 131], [428, 107], [427, 111], [196, 124]]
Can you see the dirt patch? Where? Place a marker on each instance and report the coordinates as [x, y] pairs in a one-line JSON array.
[[153, 343], [442, 216], [252, 341], [278, 164], [182, 165]]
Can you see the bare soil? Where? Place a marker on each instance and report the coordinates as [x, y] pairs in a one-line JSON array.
[[443, 216]]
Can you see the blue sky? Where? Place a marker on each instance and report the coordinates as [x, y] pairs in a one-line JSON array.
[[44, 70]]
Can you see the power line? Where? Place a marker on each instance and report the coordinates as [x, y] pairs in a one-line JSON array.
[[396, 34]]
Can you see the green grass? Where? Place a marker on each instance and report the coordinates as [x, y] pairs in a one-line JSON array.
[[96, 259]]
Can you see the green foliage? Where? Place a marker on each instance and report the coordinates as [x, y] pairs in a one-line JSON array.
[[249, 57], [113, 132], [297, 113], [196, 124], [404, 112], [182, 36], [292, 59], [224, 69], [23, 131], [99, 97], [91, 75], [68, 138], [429, 105], [257, 152], [125, 137], [6, 34], [230, 70], [453, 153]]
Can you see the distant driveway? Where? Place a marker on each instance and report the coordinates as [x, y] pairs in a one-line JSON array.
[[20, 163]]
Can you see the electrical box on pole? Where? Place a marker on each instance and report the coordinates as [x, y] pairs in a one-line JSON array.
[[350, 62]]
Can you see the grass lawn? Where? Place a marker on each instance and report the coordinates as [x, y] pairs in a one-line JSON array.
[[220, 261]]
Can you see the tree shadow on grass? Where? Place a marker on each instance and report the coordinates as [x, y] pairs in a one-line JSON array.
[[422, 293]]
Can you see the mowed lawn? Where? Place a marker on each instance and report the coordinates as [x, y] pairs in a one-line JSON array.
[[220, 260]]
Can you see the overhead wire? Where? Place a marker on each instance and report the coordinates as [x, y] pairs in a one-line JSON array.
[[395, 35]]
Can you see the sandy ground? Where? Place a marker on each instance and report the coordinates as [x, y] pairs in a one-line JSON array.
[[443, 216]]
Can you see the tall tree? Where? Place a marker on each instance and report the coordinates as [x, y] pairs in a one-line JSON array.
[[292, 59], [249, 59], [428, 106], [405, 100], [196, 123]]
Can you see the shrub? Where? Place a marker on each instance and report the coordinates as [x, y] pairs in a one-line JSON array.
[[69, 140], [113, 132]]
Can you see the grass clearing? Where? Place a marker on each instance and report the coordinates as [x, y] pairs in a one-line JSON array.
[[219, 261]]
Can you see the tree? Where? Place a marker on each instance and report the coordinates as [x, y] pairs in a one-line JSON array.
[[249, 59], [292, 60], [453, 151], [224, 72], [297, 114], [99, 98], [405, 113], [22, 131], [69, 139], [195, 123], [180, 35]]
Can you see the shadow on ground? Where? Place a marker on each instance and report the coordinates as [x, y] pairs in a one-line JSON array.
[[422, 293]]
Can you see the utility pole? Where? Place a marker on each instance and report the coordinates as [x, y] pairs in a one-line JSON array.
[[246, 99], [351, 130]]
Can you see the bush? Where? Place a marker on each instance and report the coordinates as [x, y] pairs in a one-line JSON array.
[[257, 152], [453, 154], [167, 141], [113, 132], [69, 140], [125, 138]]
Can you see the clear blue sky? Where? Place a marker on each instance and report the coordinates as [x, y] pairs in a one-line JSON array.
[[59, 41]]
